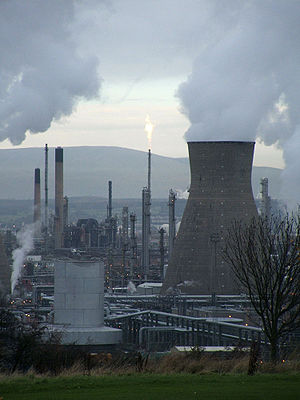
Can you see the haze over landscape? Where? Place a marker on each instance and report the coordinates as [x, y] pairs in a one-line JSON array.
[[88, 169], [87, 73]]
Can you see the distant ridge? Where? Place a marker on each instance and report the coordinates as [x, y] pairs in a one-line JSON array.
[[87, 170]]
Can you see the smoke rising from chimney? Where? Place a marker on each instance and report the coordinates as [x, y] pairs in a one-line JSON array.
[[25, 241], [245, 83], [43, 70]]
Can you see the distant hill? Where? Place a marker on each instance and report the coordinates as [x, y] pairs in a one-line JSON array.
[[87, 170]]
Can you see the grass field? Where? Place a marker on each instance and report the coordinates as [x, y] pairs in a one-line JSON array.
[[149, 387]]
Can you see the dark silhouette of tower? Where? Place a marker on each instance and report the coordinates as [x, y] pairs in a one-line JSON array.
[[220, 193], [172, 221], [59, 202], [37, 196]]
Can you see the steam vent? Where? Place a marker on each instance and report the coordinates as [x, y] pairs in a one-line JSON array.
[[220, 193]]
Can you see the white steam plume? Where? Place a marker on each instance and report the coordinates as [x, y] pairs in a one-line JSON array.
[[131, 287], [182, 194], [43, 71], [246, 83], [25, 241]]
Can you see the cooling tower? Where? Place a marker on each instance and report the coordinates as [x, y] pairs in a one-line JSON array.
[[220, 193]]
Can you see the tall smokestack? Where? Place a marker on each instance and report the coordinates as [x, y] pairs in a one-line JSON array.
[[46, 192], [149, 170], [59, 197], [265, 199], [125, 226], [37, 196], [146, 221], [133, 250], [65, 212], [220, 193], [109, 209], [162, 250], [109, 220], [146, 201], [172, 222]]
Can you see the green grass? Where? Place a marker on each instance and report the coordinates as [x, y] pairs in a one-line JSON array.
[[149, 387]]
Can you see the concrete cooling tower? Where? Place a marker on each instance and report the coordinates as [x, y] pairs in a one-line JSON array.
[[220, 193]]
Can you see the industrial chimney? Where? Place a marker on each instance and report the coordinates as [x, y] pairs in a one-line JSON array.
[[133, 245], [172, 222], [37, 196], [59, 201], [46, 199], [265, 198], [220, 193]]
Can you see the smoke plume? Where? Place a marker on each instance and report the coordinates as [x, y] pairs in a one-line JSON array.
[[180, 194], [25, 241], [43, 70], [131, 287], [245, 83]]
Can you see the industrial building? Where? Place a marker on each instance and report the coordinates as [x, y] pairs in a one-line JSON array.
[[121, 280]]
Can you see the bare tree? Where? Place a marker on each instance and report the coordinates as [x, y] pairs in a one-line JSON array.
[[264, 257]]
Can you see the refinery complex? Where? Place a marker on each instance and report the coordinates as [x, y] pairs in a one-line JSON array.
[[117, 282]]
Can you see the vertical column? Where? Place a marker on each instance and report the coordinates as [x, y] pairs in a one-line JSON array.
[[145, 231], [65, 211], [133, 251], [125, 226], [172, 221], [58, 197], [46, 198], [265, 199], [37, 196], [162, 251]]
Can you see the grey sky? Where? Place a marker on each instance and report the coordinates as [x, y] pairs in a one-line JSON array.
[[231, 66]]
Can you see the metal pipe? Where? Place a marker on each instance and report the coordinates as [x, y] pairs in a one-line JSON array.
[[154, 328]]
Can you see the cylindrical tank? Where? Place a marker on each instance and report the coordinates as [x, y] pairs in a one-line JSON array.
[[79, 293], [220, 193]]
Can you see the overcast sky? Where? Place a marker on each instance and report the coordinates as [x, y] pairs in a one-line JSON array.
[[88, 72]]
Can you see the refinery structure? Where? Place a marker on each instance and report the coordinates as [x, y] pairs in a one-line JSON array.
[[118, 282]]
